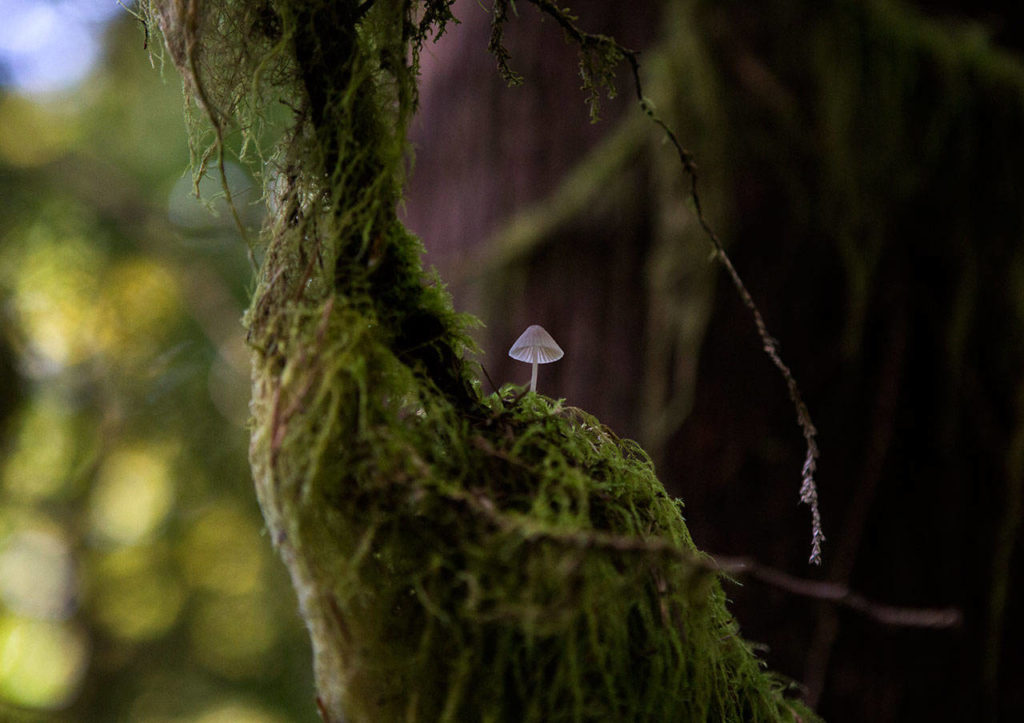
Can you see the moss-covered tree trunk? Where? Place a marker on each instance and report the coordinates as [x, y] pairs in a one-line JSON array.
[[456, 557]]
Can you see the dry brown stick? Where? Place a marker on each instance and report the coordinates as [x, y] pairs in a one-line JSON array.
[[842, 596], [808, 488], [835, 593]]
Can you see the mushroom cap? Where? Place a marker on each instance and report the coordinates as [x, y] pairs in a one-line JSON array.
[[536, 345]]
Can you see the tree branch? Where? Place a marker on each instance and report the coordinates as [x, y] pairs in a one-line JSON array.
[[835, 593], [841, 596]]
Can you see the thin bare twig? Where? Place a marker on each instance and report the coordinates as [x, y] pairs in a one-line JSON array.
[[808, 488], [731, 567], [842, 596]]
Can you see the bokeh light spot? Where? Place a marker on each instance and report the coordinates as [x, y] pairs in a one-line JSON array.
[[133, 493], [32, 134], [137, 596], [210, 209], [48, 46], [54, 295], [41, 663], [37, 574], [232, 635], [39, 465], [223, 552], [140, 302]]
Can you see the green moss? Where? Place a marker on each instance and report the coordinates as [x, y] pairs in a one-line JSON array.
[[456, 556], [516, 562]]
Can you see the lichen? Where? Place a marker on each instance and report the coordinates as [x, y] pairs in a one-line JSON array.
[[456, 556]]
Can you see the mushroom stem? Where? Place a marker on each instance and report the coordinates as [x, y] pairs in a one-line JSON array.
[[533, 378]]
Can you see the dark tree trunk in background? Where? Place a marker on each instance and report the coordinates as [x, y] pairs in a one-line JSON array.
[[863, 162], [485, 151]]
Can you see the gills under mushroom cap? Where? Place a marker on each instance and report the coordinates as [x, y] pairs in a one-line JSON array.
[[536, 346]]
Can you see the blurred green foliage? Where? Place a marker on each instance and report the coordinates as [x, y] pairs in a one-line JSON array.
[[135, 581]]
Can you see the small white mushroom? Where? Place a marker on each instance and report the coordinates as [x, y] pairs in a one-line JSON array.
[[535, 346]]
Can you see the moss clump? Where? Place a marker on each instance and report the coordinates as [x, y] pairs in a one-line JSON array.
[[457, 557], [513, 562]]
